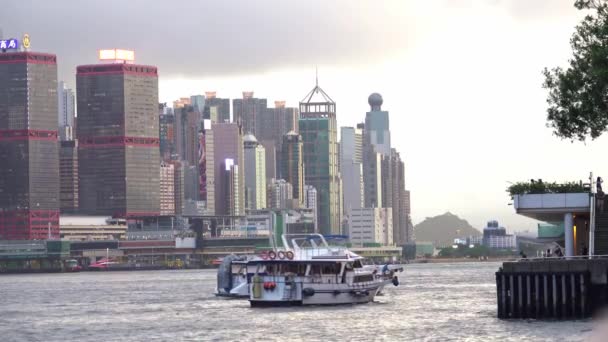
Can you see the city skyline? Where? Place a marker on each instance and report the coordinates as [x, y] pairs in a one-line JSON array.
[[465, 85]]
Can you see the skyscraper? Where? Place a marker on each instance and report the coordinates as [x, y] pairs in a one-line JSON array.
[[216, 109], [292, 168], [255, 173], [318, 128], [166, 126], [118, 136], [247, 112], [274, 124], [29, 167], [376, 145], [187, 126], [67, 111], [351, 168], [226, 150]]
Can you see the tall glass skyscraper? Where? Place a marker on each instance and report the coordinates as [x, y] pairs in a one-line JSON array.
[[318, 128]]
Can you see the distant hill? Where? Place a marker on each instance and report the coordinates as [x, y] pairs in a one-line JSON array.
[[443, 229]]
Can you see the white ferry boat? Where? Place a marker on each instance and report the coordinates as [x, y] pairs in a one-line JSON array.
[[310, 272]]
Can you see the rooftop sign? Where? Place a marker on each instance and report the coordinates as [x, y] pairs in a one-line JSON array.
[[12, 44], [118, 55]]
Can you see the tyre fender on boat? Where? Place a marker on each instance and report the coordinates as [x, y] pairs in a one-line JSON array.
[[281, 255], [272, 255], [264, 255], [308, 292], [289, 255]]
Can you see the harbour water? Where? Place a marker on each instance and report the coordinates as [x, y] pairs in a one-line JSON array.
[[435, 302]]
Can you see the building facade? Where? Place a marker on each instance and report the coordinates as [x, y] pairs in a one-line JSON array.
[[371, 226], [118, 139], [248, 112], [66, 103], [292, 164], [318, 128], [29, 151], [351, 168], [226, 150], [255, 173], [280, 194], [68, 176], [167, 189], [216, 109]]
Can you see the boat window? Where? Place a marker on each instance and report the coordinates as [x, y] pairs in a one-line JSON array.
[[331, 269], [363, 278], [315, 269], [357, 264]]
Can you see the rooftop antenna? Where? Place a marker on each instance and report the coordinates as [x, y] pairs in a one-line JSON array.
[[317, 76]]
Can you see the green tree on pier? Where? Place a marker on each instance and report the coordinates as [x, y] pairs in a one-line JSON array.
[[578, 95]]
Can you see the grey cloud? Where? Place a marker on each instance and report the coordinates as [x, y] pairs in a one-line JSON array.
[[203, 38]]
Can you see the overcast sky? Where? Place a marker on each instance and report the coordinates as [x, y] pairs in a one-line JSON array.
[[461, 79]]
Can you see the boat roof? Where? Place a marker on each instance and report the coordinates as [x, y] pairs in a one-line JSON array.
[[305, 261]]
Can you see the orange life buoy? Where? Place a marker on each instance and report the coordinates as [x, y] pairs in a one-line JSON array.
[[281, 255], [289, 255], [272, 255]]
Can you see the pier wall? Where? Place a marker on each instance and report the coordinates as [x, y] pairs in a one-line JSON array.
[[552, 289]]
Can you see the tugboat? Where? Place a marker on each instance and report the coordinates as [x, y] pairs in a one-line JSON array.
[[310, 272]]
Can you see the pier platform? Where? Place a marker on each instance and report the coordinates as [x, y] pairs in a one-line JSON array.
[[552, 288]]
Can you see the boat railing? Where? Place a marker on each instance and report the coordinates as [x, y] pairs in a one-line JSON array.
[[280, 279]]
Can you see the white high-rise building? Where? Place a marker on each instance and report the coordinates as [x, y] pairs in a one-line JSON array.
[[371, 225], [67, 111], [351, 168], [310, 202], [255, 173]]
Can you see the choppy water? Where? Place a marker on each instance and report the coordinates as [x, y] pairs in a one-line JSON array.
[[435, 302]]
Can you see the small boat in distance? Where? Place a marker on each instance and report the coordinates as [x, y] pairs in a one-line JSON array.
[[102, 265], [307, 271]]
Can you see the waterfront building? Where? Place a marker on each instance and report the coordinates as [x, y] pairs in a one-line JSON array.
[[216, 109], [495, 236], [248, 111], [29, 150], [318, 128], [255, 173], [371, 226], [67, 111], [224, 143], [91, 228], [167, 189], [292, 168], [118, 137], [68, 176]]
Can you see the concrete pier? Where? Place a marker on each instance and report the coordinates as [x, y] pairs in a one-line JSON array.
[[552, 289]]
